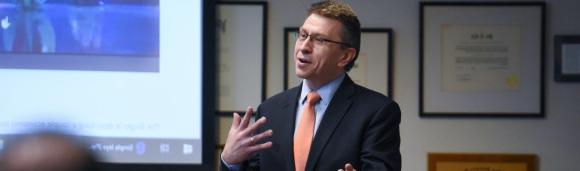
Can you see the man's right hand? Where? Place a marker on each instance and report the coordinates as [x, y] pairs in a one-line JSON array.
[[241, 143]]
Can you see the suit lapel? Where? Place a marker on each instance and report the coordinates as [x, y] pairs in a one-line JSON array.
[[334, 113], [288, 115]]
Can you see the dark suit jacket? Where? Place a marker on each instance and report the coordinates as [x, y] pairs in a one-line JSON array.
[[360, 127]]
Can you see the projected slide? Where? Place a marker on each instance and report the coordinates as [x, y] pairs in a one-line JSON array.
[[124, 74], [117, 35]]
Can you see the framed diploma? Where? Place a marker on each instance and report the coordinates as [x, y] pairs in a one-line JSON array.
[[481, 162], [567, 53], [481, 59], [373, 67], [241, 30]]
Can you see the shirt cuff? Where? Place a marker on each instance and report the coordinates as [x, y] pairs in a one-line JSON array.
[[232, 167]]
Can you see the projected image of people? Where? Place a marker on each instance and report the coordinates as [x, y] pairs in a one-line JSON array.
[[108, 35]]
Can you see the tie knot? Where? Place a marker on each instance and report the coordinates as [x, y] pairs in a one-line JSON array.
[[312, 98]]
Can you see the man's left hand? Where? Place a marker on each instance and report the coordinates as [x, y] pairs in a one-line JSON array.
[[347, 167]]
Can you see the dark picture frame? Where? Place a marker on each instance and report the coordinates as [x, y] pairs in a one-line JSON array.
[[242, 36], [375, 60], [567, 58], [481, 59]]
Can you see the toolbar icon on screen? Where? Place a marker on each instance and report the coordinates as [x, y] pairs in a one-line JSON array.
[[140, 148], [187, 149], [164, 148]]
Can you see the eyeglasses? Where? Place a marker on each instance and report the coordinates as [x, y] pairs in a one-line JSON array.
[[301, 36]]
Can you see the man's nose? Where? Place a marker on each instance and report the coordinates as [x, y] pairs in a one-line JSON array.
[[306, 45]]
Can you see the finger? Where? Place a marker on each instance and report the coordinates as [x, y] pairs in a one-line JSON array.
[[247, 116], [348, 167], [340, 170], [252, 128], [248, 141], [236, 121], [259, 147], [251, 140], [263, 135]]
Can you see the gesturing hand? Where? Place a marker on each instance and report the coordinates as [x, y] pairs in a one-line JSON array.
[[347, 167], [241, 142]]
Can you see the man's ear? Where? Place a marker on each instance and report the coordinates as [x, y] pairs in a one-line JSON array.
[[347, 57]]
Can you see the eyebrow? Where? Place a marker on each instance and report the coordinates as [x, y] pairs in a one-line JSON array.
[[315, 34]]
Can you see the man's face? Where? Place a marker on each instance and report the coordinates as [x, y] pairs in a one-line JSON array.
[[315, 61]]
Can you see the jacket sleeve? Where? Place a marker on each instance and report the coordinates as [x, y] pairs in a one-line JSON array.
[[380, 147]]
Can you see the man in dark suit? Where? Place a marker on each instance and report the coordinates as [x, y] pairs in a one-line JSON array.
[[326, 123]]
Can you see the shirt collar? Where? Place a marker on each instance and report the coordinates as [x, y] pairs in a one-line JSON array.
[[326, 91]]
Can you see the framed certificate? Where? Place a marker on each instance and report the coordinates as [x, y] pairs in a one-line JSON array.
[[567, 53], [482, 59], [241, 30], [480, 162], [373, 67]]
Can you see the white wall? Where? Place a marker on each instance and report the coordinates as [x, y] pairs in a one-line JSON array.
[[555, 139]]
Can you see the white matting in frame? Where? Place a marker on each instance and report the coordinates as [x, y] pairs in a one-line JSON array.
[[567, 58], [482, 59], [372, 69], [241, 34]]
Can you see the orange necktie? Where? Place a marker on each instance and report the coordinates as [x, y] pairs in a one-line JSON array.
[[303, 137]]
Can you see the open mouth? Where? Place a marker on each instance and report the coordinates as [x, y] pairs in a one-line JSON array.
[[302, 60]]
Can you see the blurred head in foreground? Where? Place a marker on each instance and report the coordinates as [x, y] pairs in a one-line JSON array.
[[47, 151]]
